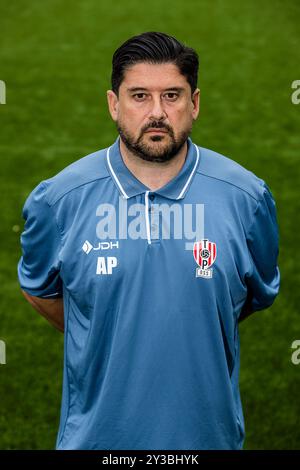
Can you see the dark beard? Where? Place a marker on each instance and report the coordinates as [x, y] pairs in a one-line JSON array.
[[145, 152]]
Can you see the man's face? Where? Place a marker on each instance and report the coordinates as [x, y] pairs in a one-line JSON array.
[[154, 111]]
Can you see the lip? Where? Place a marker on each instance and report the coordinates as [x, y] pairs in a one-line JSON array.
[[157, 131]]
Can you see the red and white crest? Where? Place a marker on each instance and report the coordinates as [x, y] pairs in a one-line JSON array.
[[205, 253]]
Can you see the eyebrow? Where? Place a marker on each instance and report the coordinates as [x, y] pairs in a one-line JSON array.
[[175, 88]]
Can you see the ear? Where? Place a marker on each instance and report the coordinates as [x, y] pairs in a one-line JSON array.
[[196, 103], [113, 104]]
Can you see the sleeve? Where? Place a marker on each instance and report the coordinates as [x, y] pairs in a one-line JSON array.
[[263, 279], [39, 265]]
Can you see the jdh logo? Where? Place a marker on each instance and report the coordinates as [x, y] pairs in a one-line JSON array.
[[2, 352], [2, 92], [87, 247]]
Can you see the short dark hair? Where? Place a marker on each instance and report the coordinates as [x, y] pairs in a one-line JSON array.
[[154, 48]]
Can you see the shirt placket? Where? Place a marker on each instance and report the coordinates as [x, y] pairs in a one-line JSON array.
[[151, 218]]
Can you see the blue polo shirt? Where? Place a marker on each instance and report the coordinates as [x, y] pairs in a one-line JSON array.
[[153, 284]]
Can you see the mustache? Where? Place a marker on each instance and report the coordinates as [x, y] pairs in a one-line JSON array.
[[157, 125]]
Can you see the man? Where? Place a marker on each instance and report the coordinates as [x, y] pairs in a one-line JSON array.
[[149, 307]]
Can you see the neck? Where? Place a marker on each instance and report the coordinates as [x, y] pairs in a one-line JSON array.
[[152, 174]]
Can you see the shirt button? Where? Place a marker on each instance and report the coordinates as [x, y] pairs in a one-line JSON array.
[[151, 197]]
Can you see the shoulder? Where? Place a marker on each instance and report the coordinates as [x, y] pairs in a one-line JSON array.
[[227, 172], [82, 172]]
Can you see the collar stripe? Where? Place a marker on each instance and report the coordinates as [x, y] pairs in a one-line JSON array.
[[191, 175], [115, 176]]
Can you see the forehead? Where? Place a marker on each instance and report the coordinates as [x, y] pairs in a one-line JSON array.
[[153, 76]]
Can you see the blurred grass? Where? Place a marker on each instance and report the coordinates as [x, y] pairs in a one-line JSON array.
[[55, 58]]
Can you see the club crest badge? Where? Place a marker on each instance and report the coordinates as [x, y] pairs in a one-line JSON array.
[[205, 253]]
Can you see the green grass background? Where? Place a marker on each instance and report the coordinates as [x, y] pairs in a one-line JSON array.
[[55, 57]]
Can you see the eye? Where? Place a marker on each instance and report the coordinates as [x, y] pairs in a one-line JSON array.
[[139, 96], [171, 96]]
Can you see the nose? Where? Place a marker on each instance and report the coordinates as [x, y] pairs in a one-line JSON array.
[[157, 111]]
